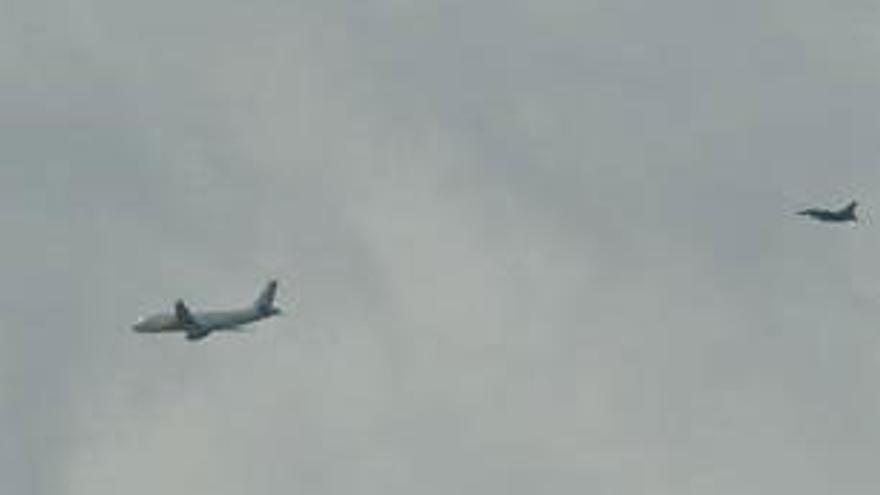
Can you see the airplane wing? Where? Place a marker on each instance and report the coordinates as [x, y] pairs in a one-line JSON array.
[[196, 335], [183, 314], [194, 330]]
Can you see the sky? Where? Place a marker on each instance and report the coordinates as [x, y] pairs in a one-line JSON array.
[[524, 247]]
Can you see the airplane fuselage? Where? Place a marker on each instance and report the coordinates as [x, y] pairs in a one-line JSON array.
[[830, 216], [198, 325], [208, 321], [846, 214]]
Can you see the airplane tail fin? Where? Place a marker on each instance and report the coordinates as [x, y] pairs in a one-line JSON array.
[[266, 301], [848, 212]]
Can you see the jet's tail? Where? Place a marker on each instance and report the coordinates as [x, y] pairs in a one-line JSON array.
[[850, 209], [266, 301]]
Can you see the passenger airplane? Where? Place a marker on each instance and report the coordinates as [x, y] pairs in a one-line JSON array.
[[845, 214], [199, 325]]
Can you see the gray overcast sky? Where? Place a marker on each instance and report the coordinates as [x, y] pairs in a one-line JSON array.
[[525, 246]]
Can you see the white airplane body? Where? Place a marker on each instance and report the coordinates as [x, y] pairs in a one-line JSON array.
[[198, 325]]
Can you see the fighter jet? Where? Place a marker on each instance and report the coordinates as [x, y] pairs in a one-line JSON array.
[[197, 326], [845, 214]]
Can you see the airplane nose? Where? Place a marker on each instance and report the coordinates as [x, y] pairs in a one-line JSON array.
[[139, 326]]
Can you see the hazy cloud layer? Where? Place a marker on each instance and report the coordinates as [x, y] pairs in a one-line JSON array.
[[525, 247]]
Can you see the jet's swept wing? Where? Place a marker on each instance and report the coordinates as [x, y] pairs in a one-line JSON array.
[[183, 314], [194, 331]]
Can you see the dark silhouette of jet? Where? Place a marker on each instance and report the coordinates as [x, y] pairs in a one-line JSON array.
[[845, 214]]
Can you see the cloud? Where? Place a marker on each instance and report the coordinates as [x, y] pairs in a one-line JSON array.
[[523, 247]]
